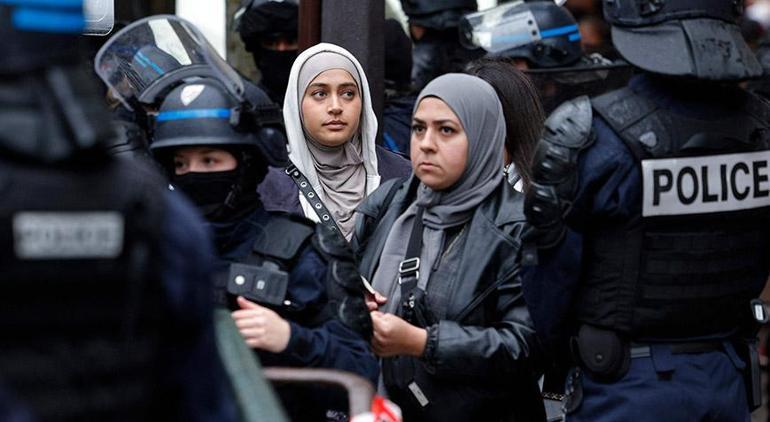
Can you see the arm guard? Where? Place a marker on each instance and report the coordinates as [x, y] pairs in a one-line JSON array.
[[567, 132]]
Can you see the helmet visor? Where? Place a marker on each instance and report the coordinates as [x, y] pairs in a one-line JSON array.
[[501, 28], [99, 16], [152, 55]]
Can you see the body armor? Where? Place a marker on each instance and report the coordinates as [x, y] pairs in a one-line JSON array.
[[263, 275], [691, 263], [80, 291]]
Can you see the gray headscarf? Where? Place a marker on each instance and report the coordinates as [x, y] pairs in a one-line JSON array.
[[340, 169], [477, 106]]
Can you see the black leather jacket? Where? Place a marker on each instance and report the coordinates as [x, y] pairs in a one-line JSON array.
[[481, 359]]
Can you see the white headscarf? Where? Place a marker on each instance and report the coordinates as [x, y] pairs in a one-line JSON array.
[[299, 153]]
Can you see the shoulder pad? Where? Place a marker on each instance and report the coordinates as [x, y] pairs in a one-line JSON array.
[[570, 124], [283, 236], [331, 245]]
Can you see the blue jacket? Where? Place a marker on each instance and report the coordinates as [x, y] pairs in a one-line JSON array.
[[329, 345], [397, 123], [279, 193]]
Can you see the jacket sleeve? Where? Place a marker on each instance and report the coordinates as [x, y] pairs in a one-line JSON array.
[[507, 346], [330, 344]]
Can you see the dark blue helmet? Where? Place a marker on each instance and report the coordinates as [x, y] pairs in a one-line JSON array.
[[36, 34], [694, 38], [542, 33], [202, 112]]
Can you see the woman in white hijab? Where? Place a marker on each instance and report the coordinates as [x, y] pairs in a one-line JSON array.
[[331, 129]]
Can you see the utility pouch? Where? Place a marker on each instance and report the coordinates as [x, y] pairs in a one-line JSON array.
[[604, 355], [261, 284]]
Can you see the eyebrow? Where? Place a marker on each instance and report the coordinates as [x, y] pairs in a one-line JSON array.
[[435, 122], [324, 85]]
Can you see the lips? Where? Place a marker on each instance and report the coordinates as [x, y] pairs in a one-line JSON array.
[[335, 125]]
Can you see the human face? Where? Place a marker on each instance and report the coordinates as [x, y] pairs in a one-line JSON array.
[[203, 160], [331, 107], [439, 147], [279, 44]]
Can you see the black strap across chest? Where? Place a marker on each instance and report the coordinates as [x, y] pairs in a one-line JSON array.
[[304, 186], [409, 268]]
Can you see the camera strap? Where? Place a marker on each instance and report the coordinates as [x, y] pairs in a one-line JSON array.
[[409, 268]]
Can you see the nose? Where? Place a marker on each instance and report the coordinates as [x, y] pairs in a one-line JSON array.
[[427, 142], [335, 105]]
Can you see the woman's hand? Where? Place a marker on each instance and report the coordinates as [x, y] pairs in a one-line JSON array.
[[393, 336], [261, 327], [374, 300]]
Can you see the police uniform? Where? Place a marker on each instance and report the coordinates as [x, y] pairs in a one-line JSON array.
[[103, 316], [649, 234], [306, 273]]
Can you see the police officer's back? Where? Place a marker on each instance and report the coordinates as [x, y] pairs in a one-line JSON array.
[[103, 279], [649, 213]]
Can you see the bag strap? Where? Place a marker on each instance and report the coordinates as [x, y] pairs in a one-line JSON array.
[[409, 268], [304, 186]]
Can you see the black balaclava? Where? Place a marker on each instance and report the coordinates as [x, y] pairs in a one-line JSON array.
[[226, 196], [271, 20], [275, 67]]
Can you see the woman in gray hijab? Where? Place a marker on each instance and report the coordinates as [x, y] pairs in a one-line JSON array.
[[441, 250]]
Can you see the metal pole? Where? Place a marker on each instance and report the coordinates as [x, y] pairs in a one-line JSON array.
[[358, 27]]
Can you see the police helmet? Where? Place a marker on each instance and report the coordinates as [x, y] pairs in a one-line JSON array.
[[202, 112], [258, 20], [694, 38], [36, 35], [540, 32]]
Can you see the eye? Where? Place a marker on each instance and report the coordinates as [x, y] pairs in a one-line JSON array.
[[319, 94], [446, 130], [350, 94], [417, 128], [209, 161], [178, 163]]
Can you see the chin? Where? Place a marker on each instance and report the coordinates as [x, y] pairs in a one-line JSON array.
[[333, 141], [431, 182]]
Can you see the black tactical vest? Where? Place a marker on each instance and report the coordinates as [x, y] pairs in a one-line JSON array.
[[80, 294], [691, 263], [263, 276]]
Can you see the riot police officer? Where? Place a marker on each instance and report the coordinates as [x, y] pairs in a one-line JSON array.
[[543, 40], [649, 222], [103, 306], [297, 296], [269, 29], [433, 28]]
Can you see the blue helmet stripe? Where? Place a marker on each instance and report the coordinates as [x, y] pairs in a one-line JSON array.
[[29, 19], [201, 113], [51, 4], [574, 37], [555, 32]]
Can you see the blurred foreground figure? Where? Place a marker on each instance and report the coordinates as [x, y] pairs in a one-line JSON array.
[[649, 213], [104, 288]]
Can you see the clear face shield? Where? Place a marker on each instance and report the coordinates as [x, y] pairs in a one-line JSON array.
[[149, 57], [99, 16], [498, 29]]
